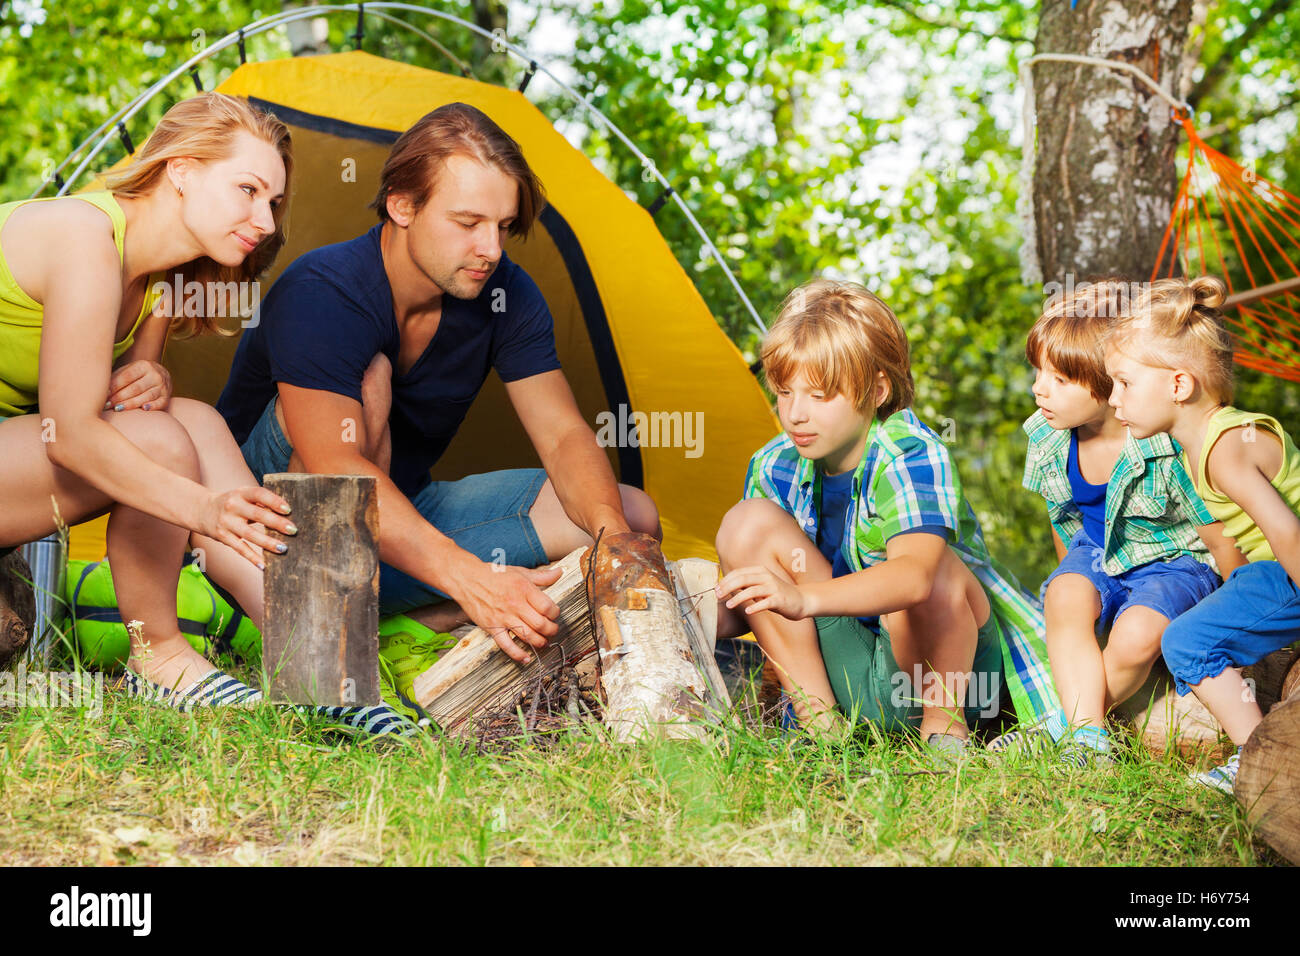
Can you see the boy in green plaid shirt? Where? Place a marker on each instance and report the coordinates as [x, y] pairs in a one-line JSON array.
[[860, 566], [1133, 538]]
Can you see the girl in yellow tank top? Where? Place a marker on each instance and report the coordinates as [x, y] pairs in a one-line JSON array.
[[1171, 361], [202, 199]]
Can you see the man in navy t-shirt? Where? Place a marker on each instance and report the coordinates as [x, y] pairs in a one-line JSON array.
[[369, 353]]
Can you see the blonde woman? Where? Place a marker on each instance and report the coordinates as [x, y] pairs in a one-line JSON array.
[[87, 419]]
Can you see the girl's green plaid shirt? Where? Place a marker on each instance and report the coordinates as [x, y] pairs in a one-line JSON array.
[[1152, 508], [904, 481]]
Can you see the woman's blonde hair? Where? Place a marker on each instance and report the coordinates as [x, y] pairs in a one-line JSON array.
[[203, 128], [840, 336], [1176, 323]]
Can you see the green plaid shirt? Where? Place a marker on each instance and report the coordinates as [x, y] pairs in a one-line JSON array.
[[1152, 508], [906, 480]]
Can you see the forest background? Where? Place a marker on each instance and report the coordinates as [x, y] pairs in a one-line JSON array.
[[878, 141]]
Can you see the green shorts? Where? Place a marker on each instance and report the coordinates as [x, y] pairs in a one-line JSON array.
[[867, 681]]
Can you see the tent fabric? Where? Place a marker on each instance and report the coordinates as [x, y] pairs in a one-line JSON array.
[[633, 334]]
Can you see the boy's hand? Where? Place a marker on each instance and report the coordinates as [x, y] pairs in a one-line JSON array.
[[764, 591]]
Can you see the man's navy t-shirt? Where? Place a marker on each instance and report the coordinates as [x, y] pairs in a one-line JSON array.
[[331, 313]]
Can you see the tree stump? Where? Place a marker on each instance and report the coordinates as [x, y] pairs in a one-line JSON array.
[[654, 676], [320, 635], [1268, 783], [17, 606]]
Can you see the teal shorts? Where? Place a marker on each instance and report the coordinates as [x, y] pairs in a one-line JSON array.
[[868, 683]]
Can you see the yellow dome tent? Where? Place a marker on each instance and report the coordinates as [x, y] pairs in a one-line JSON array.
[[637, 342]]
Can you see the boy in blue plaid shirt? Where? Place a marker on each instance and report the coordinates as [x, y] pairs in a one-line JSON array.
[[860, 566], [1133, 538]]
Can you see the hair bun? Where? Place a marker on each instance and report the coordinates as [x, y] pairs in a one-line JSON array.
[[1209, 291]]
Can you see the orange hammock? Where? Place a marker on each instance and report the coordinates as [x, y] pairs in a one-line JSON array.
[[1263, 221]]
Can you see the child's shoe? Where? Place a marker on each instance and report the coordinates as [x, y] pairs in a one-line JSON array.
[[214, 689], [1220, 778]]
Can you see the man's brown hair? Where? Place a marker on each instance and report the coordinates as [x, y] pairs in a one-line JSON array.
[[419, 155]]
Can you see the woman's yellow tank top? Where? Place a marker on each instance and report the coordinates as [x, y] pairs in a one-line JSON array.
[[1236, 523], [21, 316]]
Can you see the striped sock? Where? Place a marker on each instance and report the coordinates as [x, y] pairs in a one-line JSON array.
[[1056, 725], [1098, 738]]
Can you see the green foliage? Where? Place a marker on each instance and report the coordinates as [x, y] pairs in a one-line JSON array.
[[876, 142]]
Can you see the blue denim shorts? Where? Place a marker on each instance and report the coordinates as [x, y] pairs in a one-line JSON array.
[[486, 514], [1167, 587], [1256, 612]]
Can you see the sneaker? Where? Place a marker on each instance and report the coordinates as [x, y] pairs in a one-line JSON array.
[[1079, 756], [378, 721], [1021, 739], [406, 650], [1220, 778], [212, 690], [946, 745]]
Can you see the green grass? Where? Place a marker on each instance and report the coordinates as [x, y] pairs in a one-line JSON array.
[[139, 784]]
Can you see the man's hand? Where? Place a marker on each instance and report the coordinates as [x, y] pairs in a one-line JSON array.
[[508, 603], [765, 592], [141, 384]]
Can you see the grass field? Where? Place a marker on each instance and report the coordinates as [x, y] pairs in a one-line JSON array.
[[139, 784]]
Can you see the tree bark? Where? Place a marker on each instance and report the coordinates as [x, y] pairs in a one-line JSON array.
[[1104, 177], [17, 606], [320, 636]]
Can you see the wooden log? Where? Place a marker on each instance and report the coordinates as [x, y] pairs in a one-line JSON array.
[[17, 606], [653, 681], [1267, 675], [320, 634], [1268, 782], [477, 677], [695, 580]]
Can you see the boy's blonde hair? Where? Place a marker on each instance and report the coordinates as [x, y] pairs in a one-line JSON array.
[[1177, 324], [840, 337], [1071, 334]]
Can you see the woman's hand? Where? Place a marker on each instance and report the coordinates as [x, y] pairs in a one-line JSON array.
[[239, 518], [765, 592], [140, 384]]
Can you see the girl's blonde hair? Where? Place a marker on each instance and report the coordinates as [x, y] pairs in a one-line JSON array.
[[1176, 323], [203, 128], [840, 336]]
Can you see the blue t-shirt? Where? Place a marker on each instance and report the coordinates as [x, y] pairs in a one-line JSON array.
[[1090, 498], [837, 493], [331, 313]]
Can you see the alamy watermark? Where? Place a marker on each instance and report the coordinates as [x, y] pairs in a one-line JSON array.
[[1106, 299], [220, 300], [983, 690], [629, 429], [24, 688]]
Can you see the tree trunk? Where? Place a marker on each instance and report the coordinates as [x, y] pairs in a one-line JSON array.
[[1104, 177], [491, 64]]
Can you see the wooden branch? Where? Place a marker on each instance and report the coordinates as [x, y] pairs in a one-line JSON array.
[[320, 635], [654, 680], [1268, 783], [1254, 295], [477, 676]]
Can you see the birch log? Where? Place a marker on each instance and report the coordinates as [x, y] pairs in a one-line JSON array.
[[652, 677]]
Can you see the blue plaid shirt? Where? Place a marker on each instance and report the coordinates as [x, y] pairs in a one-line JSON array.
[[906, 480]]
